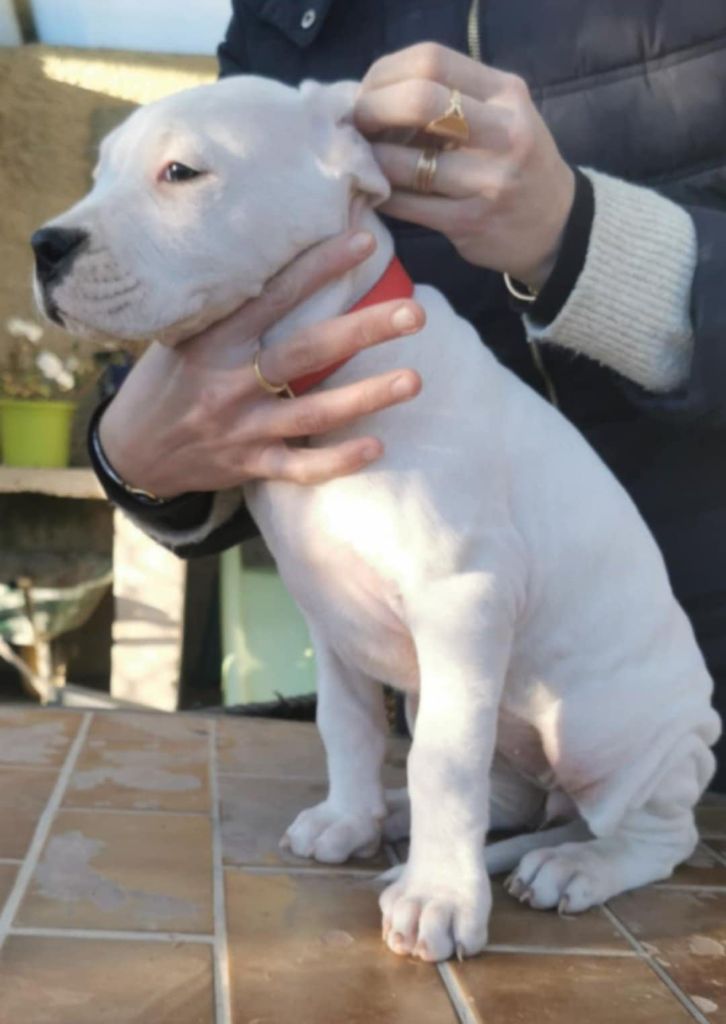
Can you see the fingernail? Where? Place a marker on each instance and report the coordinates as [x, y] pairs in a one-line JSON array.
[[361, 243], [404, 319], [402, 386]]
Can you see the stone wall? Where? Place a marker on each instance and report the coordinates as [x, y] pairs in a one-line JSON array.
[[55, 105]]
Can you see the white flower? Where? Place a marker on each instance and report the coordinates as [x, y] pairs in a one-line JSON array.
[[19, 328], [52, 368]]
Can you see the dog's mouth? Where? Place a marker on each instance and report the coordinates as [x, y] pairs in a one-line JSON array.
[[51, 309]]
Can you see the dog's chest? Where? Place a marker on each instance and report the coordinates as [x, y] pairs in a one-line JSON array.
[[331, 558], [359, 614]]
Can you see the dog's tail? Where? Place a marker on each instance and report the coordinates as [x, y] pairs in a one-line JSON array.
[[506, 854]]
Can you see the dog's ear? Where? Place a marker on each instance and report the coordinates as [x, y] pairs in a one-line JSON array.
[[341, 147]]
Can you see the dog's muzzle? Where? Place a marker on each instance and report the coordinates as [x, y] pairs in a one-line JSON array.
[[55, 250]]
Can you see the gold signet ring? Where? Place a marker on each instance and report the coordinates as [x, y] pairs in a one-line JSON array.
[[452, 125]]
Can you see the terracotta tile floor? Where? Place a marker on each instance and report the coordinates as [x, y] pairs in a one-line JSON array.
[[141, 883]]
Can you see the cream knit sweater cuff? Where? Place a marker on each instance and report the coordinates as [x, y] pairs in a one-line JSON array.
[[630, 307]]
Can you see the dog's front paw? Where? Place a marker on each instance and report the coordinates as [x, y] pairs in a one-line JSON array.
[[331, 837], [434, 920]]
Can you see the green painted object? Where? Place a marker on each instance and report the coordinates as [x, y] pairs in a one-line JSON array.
[[36, 433], [266, 649]]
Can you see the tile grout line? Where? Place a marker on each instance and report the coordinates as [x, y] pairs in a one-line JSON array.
[[720, 857], [657, 969], [105, 933], [42, 830], [506, 948], [222, 976], [283, 868], [688, 888], [133, 810], [466, 1013], [256, 777]]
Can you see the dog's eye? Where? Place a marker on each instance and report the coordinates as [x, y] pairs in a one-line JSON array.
[[175, 171]]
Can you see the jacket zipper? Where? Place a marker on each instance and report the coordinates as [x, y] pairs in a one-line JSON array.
[[474, 43]]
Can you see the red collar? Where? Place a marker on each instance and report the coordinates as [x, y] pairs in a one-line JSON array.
[[395, 284]]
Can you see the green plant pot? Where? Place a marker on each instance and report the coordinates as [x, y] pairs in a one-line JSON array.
[[36, 432]]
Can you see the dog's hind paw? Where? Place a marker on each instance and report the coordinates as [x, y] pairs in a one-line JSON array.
[[331, 837], [572, 877]]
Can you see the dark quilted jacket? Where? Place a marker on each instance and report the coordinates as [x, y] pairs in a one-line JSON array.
[[636, 89]]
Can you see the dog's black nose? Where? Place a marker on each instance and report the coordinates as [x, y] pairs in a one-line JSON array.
[[55, 250]]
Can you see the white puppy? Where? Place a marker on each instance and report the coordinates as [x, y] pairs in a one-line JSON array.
[[489, 565]]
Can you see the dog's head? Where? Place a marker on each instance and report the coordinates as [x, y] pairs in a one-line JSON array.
[[198, 200]]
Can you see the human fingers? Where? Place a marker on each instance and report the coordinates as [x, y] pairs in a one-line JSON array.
[[452, 217], [438, 64], [458, 174], [306, 275], [331, 341], [416, 102], [297, 281], [314, 465], [324, 411]]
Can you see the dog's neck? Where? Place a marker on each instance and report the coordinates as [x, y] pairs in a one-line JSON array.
[[342, 293]]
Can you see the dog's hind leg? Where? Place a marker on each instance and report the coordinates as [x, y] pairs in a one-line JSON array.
[[514, 803], [648, 843]]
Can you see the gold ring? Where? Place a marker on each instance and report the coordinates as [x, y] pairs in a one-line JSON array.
[[265, 384], [423, 176], [452, 125]]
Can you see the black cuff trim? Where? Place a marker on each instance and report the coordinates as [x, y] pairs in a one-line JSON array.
[[571, 258], [184, 512]]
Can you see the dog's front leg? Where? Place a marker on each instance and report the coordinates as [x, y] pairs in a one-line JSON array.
[[441, 903], [352, 723]]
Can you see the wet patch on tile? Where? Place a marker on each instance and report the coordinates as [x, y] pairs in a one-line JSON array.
[[142, 762], [123, 871], [308, 949], [506, 988], [36, 737], [255, 814], [24, 794], [686, 933], [65, 875], [76, 981]]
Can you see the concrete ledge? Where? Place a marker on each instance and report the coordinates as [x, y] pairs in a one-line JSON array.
[[60, 483]]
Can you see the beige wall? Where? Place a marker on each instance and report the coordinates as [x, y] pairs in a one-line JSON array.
[[54, 106]]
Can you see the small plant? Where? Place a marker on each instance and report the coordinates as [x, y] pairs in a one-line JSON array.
[[30, 370]]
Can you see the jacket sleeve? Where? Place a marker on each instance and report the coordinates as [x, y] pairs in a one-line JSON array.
[[191, 524], [650, 302], [700, 398]]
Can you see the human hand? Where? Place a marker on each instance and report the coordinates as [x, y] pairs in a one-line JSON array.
[[195, 418], [503, 199]]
